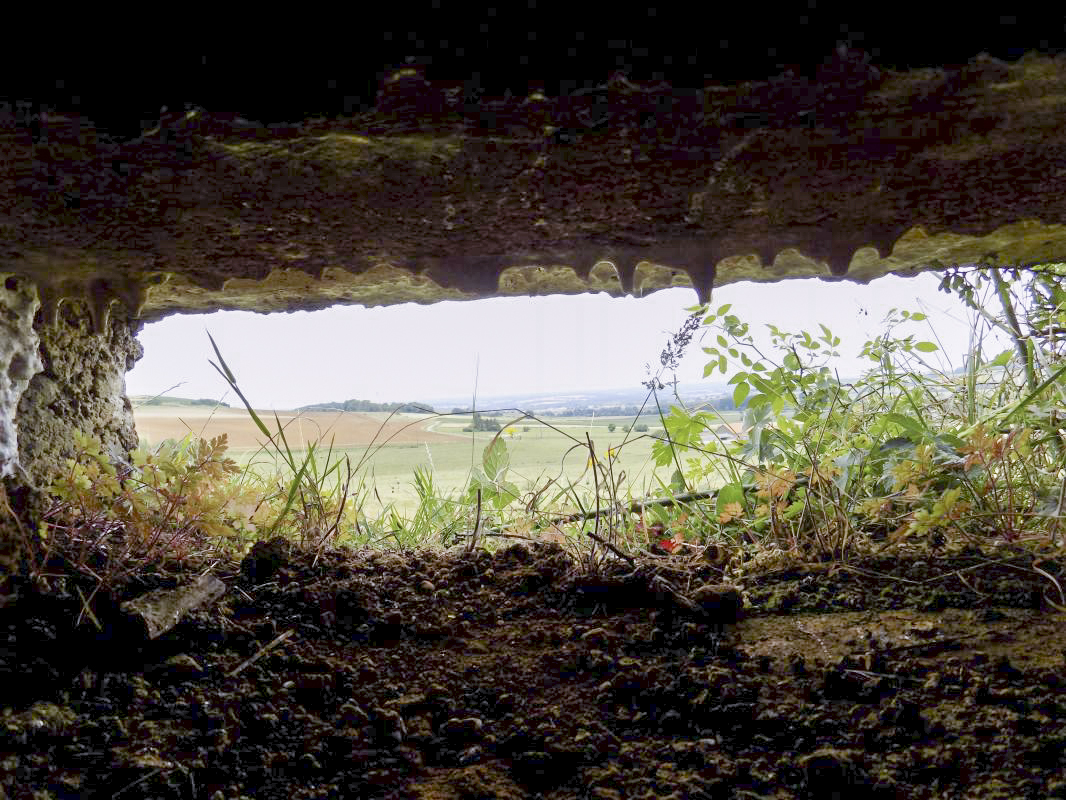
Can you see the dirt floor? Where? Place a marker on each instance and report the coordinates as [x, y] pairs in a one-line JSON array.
[[512, 675]]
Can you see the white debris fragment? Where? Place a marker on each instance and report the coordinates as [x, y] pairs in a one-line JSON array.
[[20, 360]]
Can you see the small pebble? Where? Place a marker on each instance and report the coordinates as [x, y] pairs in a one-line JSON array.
[[391, 724], [596, 637], [467, 728], [470, 755], [720, 601], [353, 714], [183, 666]]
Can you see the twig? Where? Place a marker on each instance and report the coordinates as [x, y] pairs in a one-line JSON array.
[[1036, 568], [664, 585], [477, 525], [140, 780], [252, 659], [867, 674], [639, 505], [86, 609], [596, 484], [936, 643], [869, 573], [611, 547], [957, 572], [1059, 512]]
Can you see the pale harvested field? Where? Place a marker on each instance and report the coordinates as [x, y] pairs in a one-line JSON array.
[[350, 429], [539, 452]]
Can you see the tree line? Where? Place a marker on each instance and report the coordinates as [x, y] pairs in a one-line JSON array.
[[722, 403], [162, 400], [368, 405]]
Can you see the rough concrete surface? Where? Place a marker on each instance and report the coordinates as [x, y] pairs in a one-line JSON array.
[[19, 361], [81, 388], [627, 187]]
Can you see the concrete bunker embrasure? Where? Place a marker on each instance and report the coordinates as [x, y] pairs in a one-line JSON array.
[[863, 173]]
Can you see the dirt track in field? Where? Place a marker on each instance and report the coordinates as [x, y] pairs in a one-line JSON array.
[[516, 675], [351, 429]]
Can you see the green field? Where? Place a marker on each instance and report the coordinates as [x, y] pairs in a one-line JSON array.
[[552, 450]]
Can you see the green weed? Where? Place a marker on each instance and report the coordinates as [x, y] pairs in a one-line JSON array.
[[908, 453]]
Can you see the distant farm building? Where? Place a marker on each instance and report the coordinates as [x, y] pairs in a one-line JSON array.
[[730, 431]]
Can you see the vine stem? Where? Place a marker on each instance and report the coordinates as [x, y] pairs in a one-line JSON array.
[[1020, 344]]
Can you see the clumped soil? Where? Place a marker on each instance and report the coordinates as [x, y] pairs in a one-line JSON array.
[[452, 676]]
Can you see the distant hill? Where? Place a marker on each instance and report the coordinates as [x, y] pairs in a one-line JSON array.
[[602, 402], [367, 405], [166, 400]]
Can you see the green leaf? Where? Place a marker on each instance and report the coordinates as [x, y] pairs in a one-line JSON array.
[[1002, 359], [740, 393], [294, 489], [724, 309], [229, 377], [916, 430], [792, 362], [778, 404], [496, 459], [762, 384], [224, 369], [677, 481], [896, 444], [723, 341], [926, 347], [1025, 401], [730, 493]]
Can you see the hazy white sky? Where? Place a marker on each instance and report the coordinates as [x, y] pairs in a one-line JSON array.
[[512, 345]]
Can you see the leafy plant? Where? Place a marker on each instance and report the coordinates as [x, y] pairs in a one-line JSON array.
[[490, 483], [907, 449], [170, 502]]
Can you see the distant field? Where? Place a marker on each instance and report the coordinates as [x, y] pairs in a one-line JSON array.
[[156, 423], [539, 451]]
